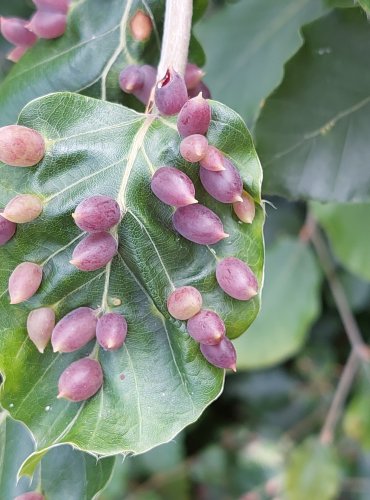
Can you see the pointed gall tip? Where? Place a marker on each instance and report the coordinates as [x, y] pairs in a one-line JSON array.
[[61, 395], [74, 262], [55, 348], [40, 349], [130, 87], [193, 201], [74, 215], [238, 199], [16, 300], [225, 235], [233, 367]]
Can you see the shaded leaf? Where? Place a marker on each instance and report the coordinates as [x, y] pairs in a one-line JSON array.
[[63, 473], [315, 126], [247, 45], [312, 472], [345, 226], [89, 56], [290, 306], [18, 8], [158, 382]]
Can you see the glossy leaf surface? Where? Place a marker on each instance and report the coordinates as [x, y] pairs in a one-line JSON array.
[[158, 382]]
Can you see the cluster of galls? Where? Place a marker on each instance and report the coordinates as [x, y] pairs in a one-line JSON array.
[[49, 21], [140, 81], [99, 215], [197, 223]]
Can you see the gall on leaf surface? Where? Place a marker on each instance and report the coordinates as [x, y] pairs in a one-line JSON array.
[[158, 382]]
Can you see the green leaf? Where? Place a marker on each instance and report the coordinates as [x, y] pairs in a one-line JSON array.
[[63, 473], [158, 382], [365, 4], [312, 472], [312, 134], [89, 55], [356, 421], [345, 226], [247, 45], [290, 305]]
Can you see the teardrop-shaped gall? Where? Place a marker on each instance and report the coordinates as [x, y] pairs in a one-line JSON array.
[[94, 252], [31, 495], [80, 380], [201, 87], [141, 26], [213, 160], [97, 213], [40, 325], [7, 230], [24, 282], [173, 187], [56, 5], [246, 209], [48, 24], [184, 302], [193, 148], [149, 74], [131, 78], [21, 146], [206, 327], [23, 208], [16, 53], [193, 76], [111, 331], [170, 93], [199, 224], [225, 186], [222, 355], [74, 330], [194, 117], [13, 29], [236, 278]]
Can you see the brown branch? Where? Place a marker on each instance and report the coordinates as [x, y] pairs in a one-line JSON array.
[[360, 351], [311, 232], [340, 396]]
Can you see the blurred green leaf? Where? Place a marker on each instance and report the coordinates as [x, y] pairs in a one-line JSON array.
[[63, 474], [312, 473], [313, 132], [247, 45], [356, 422], [345, 225], [290, 306]]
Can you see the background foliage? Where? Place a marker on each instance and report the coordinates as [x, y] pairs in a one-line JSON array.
[[298, 74]]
